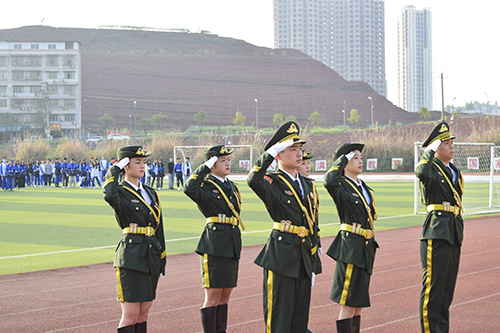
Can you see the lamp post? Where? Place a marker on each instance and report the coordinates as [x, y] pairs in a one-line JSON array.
[[257, 114], [487, 102], [79, 119], [371, 103], [135, 116], [343, 111], [130, 119]]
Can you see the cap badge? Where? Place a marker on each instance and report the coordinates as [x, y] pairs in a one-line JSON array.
[[443, 128], [223, 150], [140, 152], [292, 129]]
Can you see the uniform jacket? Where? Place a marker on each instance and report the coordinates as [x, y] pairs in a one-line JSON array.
[[218, 239], [284, 252], [348, 247], [440, 224], [136, 251]]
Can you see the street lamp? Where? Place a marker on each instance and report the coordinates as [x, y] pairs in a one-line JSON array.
[[135, 116], [343, 111], [130, 119], [371, 102], [257, 114]]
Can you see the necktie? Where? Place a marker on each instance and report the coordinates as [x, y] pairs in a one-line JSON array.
[[298, 184], [139, 192], [227, 185]]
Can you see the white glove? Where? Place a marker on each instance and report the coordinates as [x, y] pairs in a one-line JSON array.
[[313, 277], [320, 250], [124, 161], [434, 146], [279, 147], [210, 163], [350, 155]]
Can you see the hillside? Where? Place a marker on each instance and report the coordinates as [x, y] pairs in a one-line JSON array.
[[179, 74]]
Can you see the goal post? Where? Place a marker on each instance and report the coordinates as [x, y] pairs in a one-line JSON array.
[[480, 166], [243, 158]]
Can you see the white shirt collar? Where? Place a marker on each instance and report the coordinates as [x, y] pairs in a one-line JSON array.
[[219, 178], [135, 187], [359, 182], [293, 178]]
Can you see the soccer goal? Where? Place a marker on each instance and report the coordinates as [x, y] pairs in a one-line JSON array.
[[243, 158], [480, 166]]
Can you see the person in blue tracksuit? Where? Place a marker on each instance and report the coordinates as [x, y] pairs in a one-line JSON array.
[[104, 164], [36, 174], [9, 174], [178, 173], [160, 175], [72, 172], [3, 167], [57, 172], [65, 172]]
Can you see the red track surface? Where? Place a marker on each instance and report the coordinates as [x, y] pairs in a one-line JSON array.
[[83, 299]]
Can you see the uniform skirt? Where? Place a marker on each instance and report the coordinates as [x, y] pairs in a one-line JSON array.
[[219, 272], [135, 286], [350, 286]]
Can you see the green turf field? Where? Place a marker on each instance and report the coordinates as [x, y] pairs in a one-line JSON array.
[[47, 228]]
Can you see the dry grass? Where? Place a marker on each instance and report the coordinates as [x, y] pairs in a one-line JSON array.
[[485, 130], [162, 145], [32, 149], [71, 149]]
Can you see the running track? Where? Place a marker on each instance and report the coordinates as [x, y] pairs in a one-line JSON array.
[[83, 299]]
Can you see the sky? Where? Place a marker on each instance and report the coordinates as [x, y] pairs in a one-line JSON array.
[[463, 32]]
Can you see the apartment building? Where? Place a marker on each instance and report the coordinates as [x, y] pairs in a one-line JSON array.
[[40, 85]]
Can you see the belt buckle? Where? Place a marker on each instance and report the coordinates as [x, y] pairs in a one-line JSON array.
[[149, 231], [287, 225], [446, 206], [369, 234], [356, 228], [133, 228], [302, 231]]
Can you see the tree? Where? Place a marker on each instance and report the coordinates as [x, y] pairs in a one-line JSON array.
[[8, 121], [314, 118], [239, 119], [107, 120], [469, 106], [157, 120], [146, 122], [424, 113], [354, 116], [291, 118], [200, 118], [278, 119]]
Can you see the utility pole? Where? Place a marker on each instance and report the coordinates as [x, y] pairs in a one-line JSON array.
[[442, 98]]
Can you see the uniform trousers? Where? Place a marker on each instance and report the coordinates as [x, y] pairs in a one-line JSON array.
[[440, 262], [286, 302]]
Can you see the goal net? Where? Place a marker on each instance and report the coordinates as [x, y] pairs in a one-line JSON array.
[[242, 159], [480, 166]]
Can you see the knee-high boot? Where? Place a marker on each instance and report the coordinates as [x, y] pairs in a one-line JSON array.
[[126, 329], [208, 319], [141, 327], [221, 318], [356, 322], [344, 325]]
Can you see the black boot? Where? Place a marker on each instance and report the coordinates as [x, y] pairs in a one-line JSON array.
[[208, 319], [126, 329], [356, 320], [141, 327], [221, 318], [344, 325]]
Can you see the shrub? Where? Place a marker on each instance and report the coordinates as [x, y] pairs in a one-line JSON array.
[[32, 148]]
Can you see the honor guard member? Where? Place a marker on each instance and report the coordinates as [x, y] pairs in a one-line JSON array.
[[219, 200], [287, 257], [354, 246], [140, 256], [443, 229]]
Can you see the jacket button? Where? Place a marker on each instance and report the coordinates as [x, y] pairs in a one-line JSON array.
[[366, 243], [288, 201], [150, 213], [214, 228], [218, 197], [136, 208], [150, 245], [356, 202], [303, 241], [280, 238], [130, 240]]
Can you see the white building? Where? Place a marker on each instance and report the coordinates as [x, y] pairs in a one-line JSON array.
[[41, 77], [415, 59], [345, 35]]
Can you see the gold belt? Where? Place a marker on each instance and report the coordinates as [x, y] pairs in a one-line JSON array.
[[355, 228], [445, 207], [134, 229], [286, 226], [222, 218]]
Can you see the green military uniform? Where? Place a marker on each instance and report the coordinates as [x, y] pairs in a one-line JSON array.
[[354, 246], [221, 237], [287, 257], [140, 256], [442, 234]]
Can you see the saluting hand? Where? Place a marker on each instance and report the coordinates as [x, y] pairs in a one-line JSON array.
[[279, 147], [350, 155], [124, 161], [211, 162], [434, 146]]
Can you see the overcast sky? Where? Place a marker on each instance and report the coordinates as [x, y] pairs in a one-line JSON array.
[[464, 32]]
